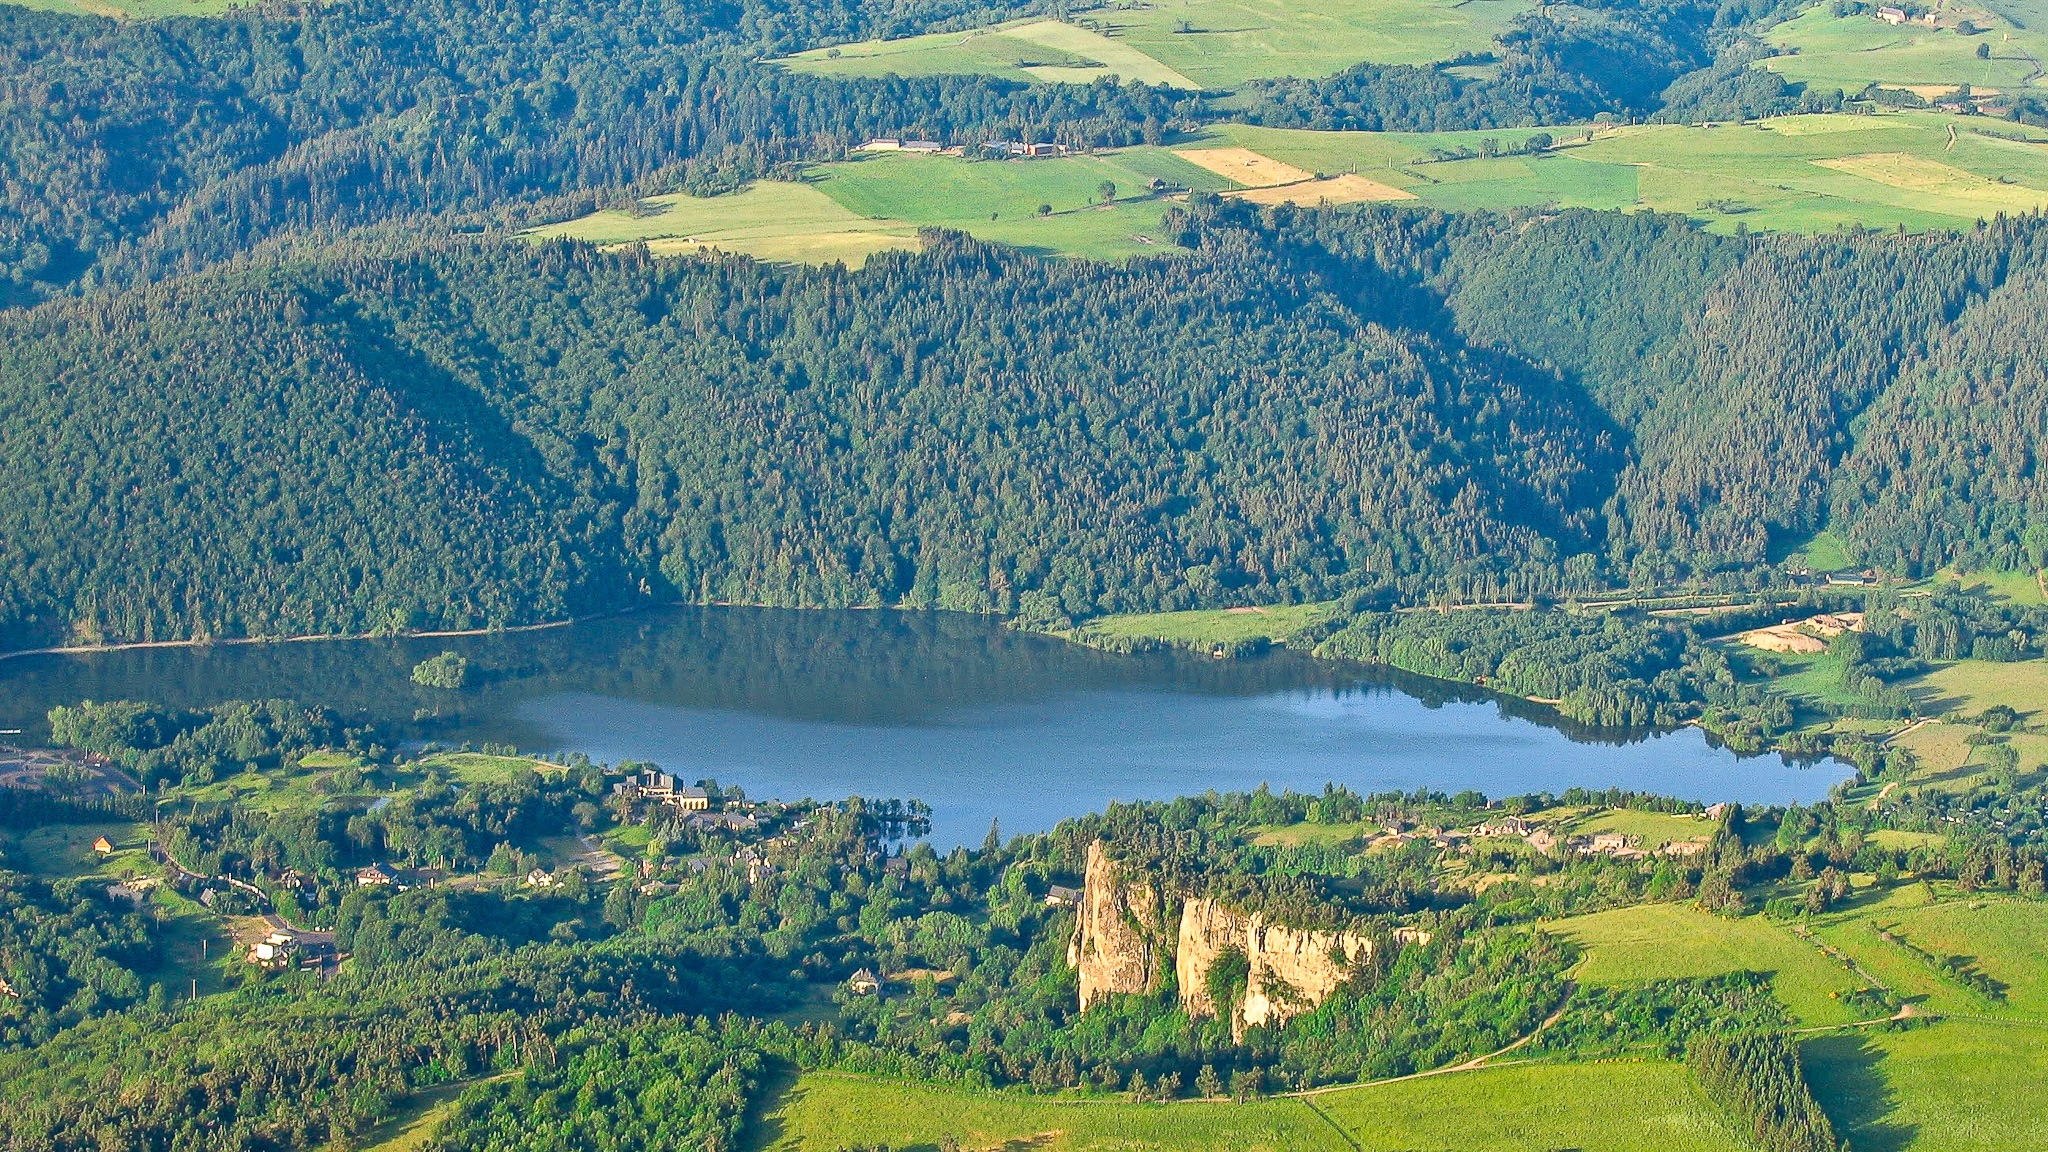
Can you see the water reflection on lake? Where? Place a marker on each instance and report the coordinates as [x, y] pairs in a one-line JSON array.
[[978, 721]]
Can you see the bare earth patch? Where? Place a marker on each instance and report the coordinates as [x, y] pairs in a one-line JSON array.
[[1245, 166]]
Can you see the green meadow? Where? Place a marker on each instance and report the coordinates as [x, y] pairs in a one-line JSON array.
[[1187, 44], [1795, 173], [1608, 1107], [1850, 52], [1800, 173], [132, 9], [1211, 625], [850, 210], [1950, 1086], [1658, 941]]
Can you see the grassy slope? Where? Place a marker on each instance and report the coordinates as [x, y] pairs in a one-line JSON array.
[[1765, 177], [142, 9], [1653, 941], [1526, 1108], [1970, 686], [1211, 626], [1850, 52], [1955, 1086], [769, 220], [1237, 40], [1188, 43], [825, 1111]]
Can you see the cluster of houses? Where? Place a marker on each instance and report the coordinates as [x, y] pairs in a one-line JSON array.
[[1898, 16], [1542, 838], [662, 788], [289, 948], [1020, 149]]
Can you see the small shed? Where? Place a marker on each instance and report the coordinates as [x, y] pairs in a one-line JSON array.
[[103, 846], [864, 983]]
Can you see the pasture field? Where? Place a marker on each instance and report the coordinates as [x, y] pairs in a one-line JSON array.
[[847, 211], [1607, 1107], [823, 1111], [1950, 1086], [1970, 686], [1795, 173], [1295, 835], [1849, 52], [481, 768], [1223, 43], [1656, 941], [132, 9], [2006, 940], [1045, 51], [1652, 830], [1187, 44], [770, 220], [54, 851], [2012, 587], [1211, 625]]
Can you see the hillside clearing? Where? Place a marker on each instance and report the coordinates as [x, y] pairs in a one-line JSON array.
[[1663, 941]]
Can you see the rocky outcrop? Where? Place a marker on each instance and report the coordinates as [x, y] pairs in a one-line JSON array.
[[1287, 971], [1118, 942], [1273, 972]]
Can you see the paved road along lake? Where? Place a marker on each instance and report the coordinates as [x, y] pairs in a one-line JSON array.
[[980, 722]]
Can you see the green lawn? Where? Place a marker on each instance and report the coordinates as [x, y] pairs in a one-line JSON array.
[[1211, 626], [770, 220], [1607, 1107], [1954, 1086], [2013, 587], [2007, 940], [1849, 52], [1656, 941], [824, 1111], [60, 850], [482, 768]]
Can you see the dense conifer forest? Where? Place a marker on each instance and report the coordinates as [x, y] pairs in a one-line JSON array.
[[469, 434]]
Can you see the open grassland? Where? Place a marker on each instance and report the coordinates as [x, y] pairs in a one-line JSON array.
[[1968, 687], [849, 210], [1656, 941], [133, 9], [1651, 830], [1853, 51], [823, 1111], [1187, 44], [1033, 50], [1797, 173], [770, 220], [2006, 940], [1296, 835], [60, 850], [1223, 43], [1607, 1107], [1210, 626], [482, 768], [2012, 587], [1951, 1086]]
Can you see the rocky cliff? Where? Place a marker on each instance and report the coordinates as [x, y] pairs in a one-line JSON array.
[[1121, 944], [1287, 971], [1119, 930]]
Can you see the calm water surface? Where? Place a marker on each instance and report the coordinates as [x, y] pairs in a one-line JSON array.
[[981, 723]]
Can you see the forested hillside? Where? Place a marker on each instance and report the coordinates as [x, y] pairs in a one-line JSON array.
[[1306, 403]]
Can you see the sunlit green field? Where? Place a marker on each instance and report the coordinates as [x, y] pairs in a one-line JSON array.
[[1025, 51], [1849, 52], [1658, 941], [1797, 173], [1611, 1107], [1952, 1086], [132, 9], [1188, 44], [1211, 625], [1970, 686]]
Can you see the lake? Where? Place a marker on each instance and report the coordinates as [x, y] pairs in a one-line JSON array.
[[978, 721]]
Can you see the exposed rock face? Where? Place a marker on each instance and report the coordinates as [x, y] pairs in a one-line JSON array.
[[1116, 945], [1291, 970], [1120, 944]]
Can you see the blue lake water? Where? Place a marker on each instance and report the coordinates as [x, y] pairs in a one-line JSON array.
[[980, 722]]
